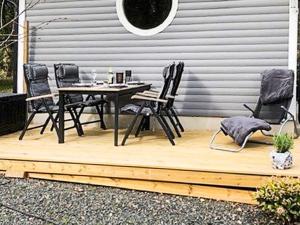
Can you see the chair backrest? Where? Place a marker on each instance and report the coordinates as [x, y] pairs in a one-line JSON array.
[[36, 78], [167, 82], [66, 75], [276, 91], [176, 83]]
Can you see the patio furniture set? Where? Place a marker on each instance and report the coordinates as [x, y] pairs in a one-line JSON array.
[[71, 99], [273, 105]]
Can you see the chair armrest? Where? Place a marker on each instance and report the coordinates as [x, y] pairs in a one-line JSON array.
[[151, 95], [154, 94], [41, 97], [287, 111], [247, 107], [170, 96], [140, 97]]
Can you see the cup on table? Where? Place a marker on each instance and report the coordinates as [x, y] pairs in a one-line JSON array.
[[94, 76]]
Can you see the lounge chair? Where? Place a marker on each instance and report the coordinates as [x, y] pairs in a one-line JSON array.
[[41, 99], [272, 108], [68, 74]]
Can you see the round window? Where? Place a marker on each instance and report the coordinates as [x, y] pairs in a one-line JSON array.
[[146, 17]]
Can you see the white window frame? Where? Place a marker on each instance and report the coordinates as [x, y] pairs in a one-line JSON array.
[[145, 32]]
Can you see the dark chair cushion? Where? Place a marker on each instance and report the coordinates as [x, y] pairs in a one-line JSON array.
[[133, 109], [277, 85], [239, 127]]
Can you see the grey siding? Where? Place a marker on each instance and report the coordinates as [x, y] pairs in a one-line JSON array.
[[224, 44]]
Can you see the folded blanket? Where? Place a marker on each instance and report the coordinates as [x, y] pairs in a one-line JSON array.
[[240, 127]]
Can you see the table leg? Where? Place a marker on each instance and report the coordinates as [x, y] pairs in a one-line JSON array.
[[61, 119], [116, 134]]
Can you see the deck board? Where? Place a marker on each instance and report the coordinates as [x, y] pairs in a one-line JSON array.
[[150, 161], [190, 153]]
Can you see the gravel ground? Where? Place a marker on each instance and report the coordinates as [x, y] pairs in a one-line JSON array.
[[65, 203]]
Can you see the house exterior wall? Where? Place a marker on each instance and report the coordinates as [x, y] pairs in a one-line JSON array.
[[224, 44]]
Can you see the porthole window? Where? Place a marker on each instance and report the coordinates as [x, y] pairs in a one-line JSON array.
[[146, 17]]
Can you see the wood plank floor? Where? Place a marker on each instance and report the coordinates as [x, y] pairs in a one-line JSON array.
[[146, 163]]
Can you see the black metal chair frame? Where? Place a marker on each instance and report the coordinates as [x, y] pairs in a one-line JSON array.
[[150, 102], [44, 106], [82, 104]]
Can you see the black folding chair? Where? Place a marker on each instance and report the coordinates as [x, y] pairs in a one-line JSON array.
[[152, 106], [272, 109], [168, 109], [41, 99], [68, 74]]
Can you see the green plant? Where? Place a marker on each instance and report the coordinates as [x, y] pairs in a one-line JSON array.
[[281, 197], [283, 142]]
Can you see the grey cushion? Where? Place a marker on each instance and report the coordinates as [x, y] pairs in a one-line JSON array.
[[276, 86], [239, 127], [133, 109]]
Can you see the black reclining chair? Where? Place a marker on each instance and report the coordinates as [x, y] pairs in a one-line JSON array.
[[168, 109], [153, 106], [68, 74], [41, 99], [272, 109]]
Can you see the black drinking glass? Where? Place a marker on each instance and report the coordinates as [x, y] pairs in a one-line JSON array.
[[128, 75]]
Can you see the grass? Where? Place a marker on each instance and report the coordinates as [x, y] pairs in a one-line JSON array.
[[6, 85]]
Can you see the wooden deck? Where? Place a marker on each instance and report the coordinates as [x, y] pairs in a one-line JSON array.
[[147, 163]]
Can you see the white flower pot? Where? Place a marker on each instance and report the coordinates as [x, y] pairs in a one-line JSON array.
[[282, 161]]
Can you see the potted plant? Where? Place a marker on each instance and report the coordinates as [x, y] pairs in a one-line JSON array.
[[281, 197], [282, 157]]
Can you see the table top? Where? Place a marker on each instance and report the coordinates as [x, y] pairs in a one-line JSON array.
[[103, 89]]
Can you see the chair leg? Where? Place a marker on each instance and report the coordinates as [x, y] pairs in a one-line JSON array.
[[100, 113], [296, 134], [162, 124], [214, 147], [172, 122], [45, 125], [27, 125], [167, 126], [51, 116], [81, 111], [76, 123], [139, 129], [177, 119], [77, 119], [56, 119], [129, 130]]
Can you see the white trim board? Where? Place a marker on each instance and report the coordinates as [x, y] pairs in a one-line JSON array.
[[293, 44], [20, 77]]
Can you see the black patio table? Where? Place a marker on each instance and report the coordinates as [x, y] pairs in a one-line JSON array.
[[116, 93]]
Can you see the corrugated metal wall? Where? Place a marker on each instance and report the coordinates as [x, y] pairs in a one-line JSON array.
[[224, 44]]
